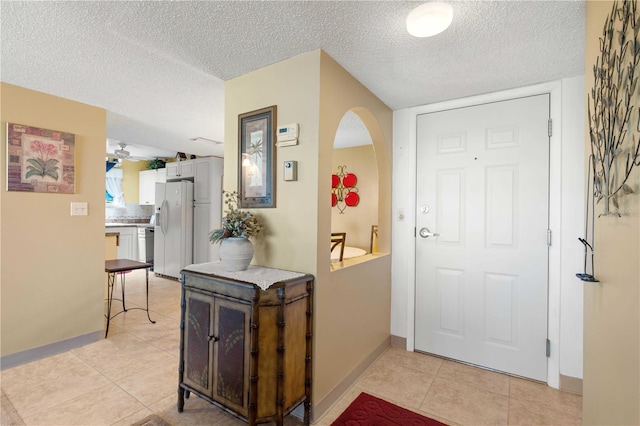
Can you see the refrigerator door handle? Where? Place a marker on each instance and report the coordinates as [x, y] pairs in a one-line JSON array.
[[164, 220]]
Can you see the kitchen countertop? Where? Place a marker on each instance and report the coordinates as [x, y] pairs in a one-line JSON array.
[[124, 225]]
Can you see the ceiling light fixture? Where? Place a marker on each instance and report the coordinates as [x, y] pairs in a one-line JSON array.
[[122, 153], [201, 139], [429, 19]]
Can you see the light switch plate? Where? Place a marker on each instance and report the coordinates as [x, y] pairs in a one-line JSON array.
[[79, 209]]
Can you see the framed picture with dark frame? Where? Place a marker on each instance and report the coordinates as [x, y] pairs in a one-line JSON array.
[[257, 158]]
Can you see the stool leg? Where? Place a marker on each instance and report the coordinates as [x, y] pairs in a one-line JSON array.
[[111, 283], [124, 308], [147, 281]]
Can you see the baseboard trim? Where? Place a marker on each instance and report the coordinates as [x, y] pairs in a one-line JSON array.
[[399, 342], [322, 407], [571, 384], [40, 352]]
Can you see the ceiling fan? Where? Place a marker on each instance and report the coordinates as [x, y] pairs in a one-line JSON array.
[[119, 151], [122, 153]]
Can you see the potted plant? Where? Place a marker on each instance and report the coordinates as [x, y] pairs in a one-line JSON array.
[[155, 164], [236, 251]]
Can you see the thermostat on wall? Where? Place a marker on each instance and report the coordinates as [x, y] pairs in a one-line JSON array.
[[287, 135]]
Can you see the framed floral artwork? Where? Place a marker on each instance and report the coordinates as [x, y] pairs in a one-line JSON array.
[[256, 158], [40, 160]]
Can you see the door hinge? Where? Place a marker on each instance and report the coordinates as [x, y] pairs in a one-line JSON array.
[[550, 127], [549, 237], [548, 348]]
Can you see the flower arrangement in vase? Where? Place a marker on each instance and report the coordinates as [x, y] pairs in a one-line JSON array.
[[236, 251]]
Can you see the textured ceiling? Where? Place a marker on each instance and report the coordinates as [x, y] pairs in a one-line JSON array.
[[159, 67]]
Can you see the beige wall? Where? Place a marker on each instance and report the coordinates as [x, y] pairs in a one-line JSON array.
[[130, 177], [352, 304], [51, 264], [611, 307], [289, 240], [356, 221]]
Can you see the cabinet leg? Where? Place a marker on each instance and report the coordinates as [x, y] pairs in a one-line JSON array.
[[307, 412], [180, 399]]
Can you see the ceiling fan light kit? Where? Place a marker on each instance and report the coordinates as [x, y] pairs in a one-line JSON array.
[[122, 153], [429, 19]]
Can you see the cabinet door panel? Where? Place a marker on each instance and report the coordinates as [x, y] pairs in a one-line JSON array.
[[162, 175], [147, 187], [197, 351], [128, 242], [202, 181], [173, 170], [231, 355], [186, 169], [203, 250]]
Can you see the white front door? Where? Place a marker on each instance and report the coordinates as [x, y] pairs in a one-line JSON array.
[[481, 279]]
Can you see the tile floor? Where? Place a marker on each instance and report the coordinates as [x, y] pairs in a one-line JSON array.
[[133, 373]]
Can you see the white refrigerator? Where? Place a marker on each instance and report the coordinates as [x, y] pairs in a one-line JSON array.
[[173, 236]]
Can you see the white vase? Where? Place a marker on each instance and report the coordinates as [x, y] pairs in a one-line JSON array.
[[236, 254]]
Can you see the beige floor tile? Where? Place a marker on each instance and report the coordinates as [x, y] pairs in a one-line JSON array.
[[525, 413], [135, 322], [168, 342], [334, 412], [543, 397], [133, 418], [170, 309], [485, 379], [8, 414], [465, 404], [200, 412], [159, 288], [141, 358], [414, 360], [153, 384], [122, 355], [395, 383], [42, 384], [196, 412], [103, 406]]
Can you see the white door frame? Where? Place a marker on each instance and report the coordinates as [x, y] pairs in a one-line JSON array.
[[553, 307]]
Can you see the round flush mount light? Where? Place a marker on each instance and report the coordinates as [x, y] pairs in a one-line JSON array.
[[429, 19]]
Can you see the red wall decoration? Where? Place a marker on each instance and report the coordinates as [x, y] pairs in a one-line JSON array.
[[344, 192]]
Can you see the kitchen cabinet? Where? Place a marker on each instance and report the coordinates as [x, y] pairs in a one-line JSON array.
[[147, 185], [180, 169], [207, 216], [127, 241], [208, 180], [203, 224], [245, 340]]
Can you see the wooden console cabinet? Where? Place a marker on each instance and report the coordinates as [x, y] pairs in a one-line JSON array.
[[245, 340]]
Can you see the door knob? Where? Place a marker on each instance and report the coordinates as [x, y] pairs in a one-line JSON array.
[[425, 233]]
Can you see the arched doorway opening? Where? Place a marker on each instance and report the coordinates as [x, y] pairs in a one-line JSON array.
[[355, 189]]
